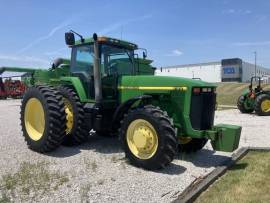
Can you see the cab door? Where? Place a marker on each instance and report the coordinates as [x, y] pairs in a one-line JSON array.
[[82, 66]]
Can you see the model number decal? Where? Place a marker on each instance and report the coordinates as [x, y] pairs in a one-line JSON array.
[[152, 88]]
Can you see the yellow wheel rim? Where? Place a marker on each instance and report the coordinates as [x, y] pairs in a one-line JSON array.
[[184, 140], [142, 139], [34, 119], [69, 115], [266, 105]]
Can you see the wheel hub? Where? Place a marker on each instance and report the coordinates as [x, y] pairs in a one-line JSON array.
[[34, 119], [265, 105], [142, 139], [69, 115]]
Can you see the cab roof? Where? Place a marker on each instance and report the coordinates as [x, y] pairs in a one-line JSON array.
[[109, 40]]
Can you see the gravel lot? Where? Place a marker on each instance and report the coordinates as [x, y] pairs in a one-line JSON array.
[[97, 171]]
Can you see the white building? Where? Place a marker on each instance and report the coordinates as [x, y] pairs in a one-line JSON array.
[[226, 70]]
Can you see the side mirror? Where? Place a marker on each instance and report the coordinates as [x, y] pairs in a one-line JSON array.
[[70, 38], [95, 37], [144, 55]]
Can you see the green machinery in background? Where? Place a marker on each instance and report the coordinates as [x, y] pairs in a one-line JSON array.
[[255, 99], [106, 87]]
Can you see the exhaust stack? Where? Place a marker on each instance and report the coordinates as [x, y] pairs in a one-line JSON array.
[[97, 75]]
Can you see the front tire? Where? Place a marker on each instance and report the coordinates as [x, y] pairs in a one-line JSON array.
[[148, 137], [242, 107], [262, 105], [43, 118]]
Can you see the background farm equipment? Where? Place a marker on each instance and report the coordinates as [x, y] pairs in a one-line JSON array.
[[255, 99], [108, 88], [3, 94], [11, 88]]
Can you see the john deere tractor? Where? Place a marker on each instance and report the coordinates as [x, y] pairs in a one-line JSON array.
[[255, 99], [106, 87]]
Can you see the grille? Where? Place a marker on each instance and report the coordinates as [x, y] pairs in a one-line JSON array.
[[202, 110]]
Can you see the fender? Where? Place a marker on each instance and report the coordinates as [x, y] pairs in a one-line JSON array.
[[124, 107], [76, 83]]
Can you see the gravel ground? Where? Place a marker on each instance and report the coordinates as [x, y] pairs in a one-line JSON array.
[[97, 171]]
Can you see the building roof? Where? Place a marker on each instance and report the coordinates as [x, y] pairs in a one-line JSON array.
[[12, 74], [258, 66], [212, 63], [192, 65]]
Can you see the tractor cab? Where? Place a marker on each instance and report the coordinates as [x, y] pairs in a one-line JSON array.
[[113, 59], [255, 81]]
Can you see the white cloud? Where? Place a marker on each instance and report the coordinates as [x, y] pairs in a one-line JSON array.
[[231, 11], [175, 52], [24, 59], [120, 24], [261, 18], [262, 43], [247, 12], [45, 37], [237, 11], [56, 52]]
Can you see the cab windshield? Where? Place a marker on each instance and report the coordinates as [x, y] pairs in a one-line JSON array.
[[116, 60]]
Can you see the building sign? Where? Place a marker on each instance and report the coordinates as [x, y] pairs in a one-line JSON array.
[[228, 70]]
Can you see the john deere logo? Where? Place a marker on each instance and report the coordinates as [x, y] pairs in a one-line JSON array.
[[229, 70]]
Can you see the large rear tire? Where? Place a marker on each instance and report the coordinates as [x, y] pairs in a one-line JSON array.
[[262, 105], [148, 137], [43, 118], [77, 129], [191, 145], [242, 107]]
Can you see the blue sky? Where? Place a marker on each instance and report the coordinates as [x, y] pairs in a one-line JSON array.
[[174, 32]]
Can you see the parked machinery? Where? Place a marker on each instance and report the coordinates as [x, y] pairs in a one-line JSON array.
[[3, 94], [108, 88], [11, 88], [255, 99]]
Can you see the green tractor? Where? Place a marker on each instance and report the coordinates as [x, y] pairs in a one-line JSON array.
[[107, 88], [255, 99]]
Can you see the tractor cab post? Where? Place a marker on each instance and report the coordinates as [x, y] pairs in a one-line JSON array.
[[257, 79]]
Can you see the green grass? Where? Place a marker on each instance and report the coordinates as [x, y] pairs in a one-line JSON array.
[[228, 93], [4, 198], [247, 181], [30, 182]]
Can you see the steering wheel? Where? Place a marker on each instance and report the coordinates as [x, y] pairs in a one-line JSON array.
[[112, 67]]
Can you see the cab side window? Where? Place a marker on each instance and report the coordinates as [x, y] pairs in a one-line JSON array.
[[83, 59]]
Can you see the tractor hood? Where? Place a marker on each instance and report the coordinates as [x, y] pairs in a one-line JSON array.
[[161, 82]]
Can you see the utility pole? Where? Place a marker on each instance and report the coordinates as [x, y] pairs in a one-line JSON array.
[[255, 55]]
